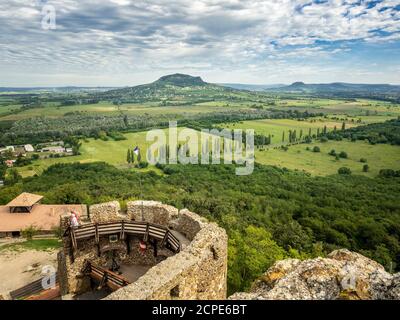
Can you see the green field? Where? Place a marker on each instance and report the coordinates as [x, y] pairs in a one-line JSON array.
[[276, 127], [297, 157], [92, 150], [106, 109]]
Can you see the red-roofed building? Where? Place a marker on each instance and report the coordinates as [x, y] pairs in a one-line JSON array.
[[25, 211]]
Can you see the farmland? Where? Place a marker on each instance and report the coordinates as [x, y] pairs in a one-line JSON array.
[[297, 157], [294, 199]]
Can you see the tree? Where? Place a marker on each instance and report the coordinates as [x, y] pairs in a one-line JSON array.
[[343, 155], [139, 157], [12, 177], [343, 126], [283, 136], [365, 168], [132, 156], [344, 171], [29, 232], [128, 157]]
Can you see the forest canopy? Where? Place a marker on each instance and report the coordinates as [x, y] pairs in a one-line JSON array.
[[269, 215]]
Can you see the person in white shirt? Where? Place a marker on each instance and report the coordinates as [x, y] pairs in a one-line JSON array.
[[74, 220]]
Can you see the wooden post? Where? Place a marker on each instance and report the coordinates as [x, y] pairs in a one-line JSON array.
[[146, 235], [122, 235], [128, 245], [155, 248], [164, 240], [97, 239]]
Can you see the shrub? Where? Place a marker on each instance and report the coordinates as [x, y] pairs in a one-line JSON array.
[[142, 164], [344, 170], [29, 232], [365, 168], [389, 173], [57, 231], [343, 155], [363, 160], [332, 153], [316, 149]]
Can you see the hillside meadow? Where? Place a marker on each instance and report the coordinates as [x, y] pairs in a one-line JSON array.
[[380, 156]]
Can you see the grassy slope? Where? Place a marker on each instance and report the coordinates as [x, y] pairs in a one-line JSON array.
[[297, 157], [275, 127], [378, 156], [112, 152]]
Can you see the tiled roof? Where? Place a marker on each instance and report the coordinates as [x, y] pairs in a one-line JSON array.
[[25, 200]]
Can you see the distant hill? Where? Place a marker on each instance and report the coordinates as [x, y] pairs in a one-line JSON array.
[[251, 87], [338, 86], [68, 89], [181, 80], [344, 90], [175, 88]]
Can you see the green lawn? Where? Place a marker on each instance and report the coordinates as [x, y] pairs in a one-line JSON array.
[[35, 244], [378, 157]]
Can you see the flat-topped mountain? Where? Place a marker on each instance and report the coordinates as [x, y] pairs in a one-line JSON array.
[[179, 87], [181, 80]]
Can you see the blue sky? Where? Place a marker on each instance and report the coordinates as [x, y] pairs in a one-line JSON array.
[[128, 42]]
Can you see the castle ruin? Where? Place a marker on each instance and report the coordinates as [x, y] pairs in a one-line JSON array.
[[150, 251]]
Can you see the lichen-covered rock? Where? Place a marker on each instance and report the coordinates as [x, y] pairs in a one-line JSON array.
[[342, 275], [276, 272]]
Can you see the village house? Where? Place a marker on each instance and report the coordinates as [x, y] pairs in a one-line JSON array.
[[29, 148], [9, 163], [57, 149], [26, 210], [8, 148]]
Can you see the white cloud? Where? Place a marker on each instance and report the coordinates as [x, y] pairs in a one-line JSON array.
[[141, 35]]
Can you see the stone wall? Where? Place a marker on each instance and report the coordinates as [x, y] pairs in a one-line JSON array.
[[151, 211], [198, 272], [106, 212]]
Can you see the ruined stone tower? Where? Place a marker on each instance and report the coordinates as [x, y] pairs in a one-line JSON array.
[[151, 251]]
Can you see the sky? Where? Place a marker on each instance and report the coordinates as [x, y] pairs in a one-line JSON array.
[[130, 42]]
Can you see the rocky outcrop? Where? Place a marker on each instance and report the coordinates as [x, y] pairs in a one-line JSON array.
[[342, 275]]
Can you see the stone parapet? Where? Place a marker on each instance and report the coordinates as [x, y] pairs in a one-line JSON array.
[[151, 211]]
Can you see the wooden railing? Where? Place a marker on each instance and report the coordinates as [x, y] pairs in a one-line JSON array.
[[35, 289], [104, 277], [141, 229]]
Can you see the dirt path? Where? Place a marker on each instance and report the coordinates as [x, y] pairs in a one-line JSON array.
[[18, 268]]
